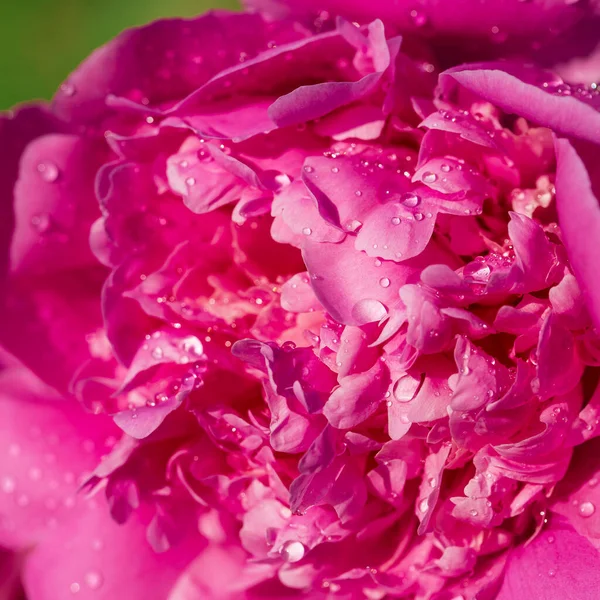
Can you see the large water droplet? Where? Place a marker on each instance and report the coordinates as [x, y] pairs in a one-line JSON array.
[[586, 509], [48, 171], [384, 282], [409, 199], [292, 551], [429, 177]]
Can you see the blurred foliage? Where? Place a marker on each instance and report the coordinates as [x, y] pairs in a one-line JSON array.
[[41, 41]]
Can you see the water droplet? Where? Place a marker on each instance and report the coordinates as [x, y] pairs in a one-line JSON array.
[[40, 223], [551, 539], [395, 220], [48, 171], [190, 181], [586, 509], [429, 177], [424, 505], [308, 169], [419, 19], [446, 168], [418, 216], [335, 170], [353, 225], [551, 572], [292, 551], [68, 89], [358, 193], [74, 587], [157, 353], [307, 231], [384, 282], [473, 512], [409, 199], [93, 580]]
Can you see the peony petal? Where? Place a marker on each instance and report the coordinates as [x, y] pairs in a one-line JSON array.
[[549, 567]]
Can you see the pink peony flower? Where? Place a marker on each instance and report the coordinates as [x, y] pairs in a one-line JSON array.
[[300, 307]]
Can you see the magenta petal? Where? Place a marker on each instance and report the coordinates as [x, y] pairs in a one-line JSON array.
[[90, 556], [550, 567], [521, 93], [357, 397], [50, 444], [579, 217], [394, 232]]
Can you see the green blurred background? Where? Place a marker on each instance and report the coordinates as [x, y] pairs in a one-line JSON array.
[[41, 41]]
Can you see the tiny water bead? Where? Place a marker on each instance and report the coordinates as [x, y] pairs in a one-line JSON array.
[[48, 171], [307, 231], [429, 177], [396, 220], [68, 89], [384, 282], [292, 551]]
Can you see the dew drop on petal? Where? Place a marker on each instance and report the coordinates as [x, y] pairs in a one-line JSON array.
[[429, 177], [409, 199], [292, 551], [384, 282], [586, 509], [307, 231], [48, 171], [395, 220], [68, 89]]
